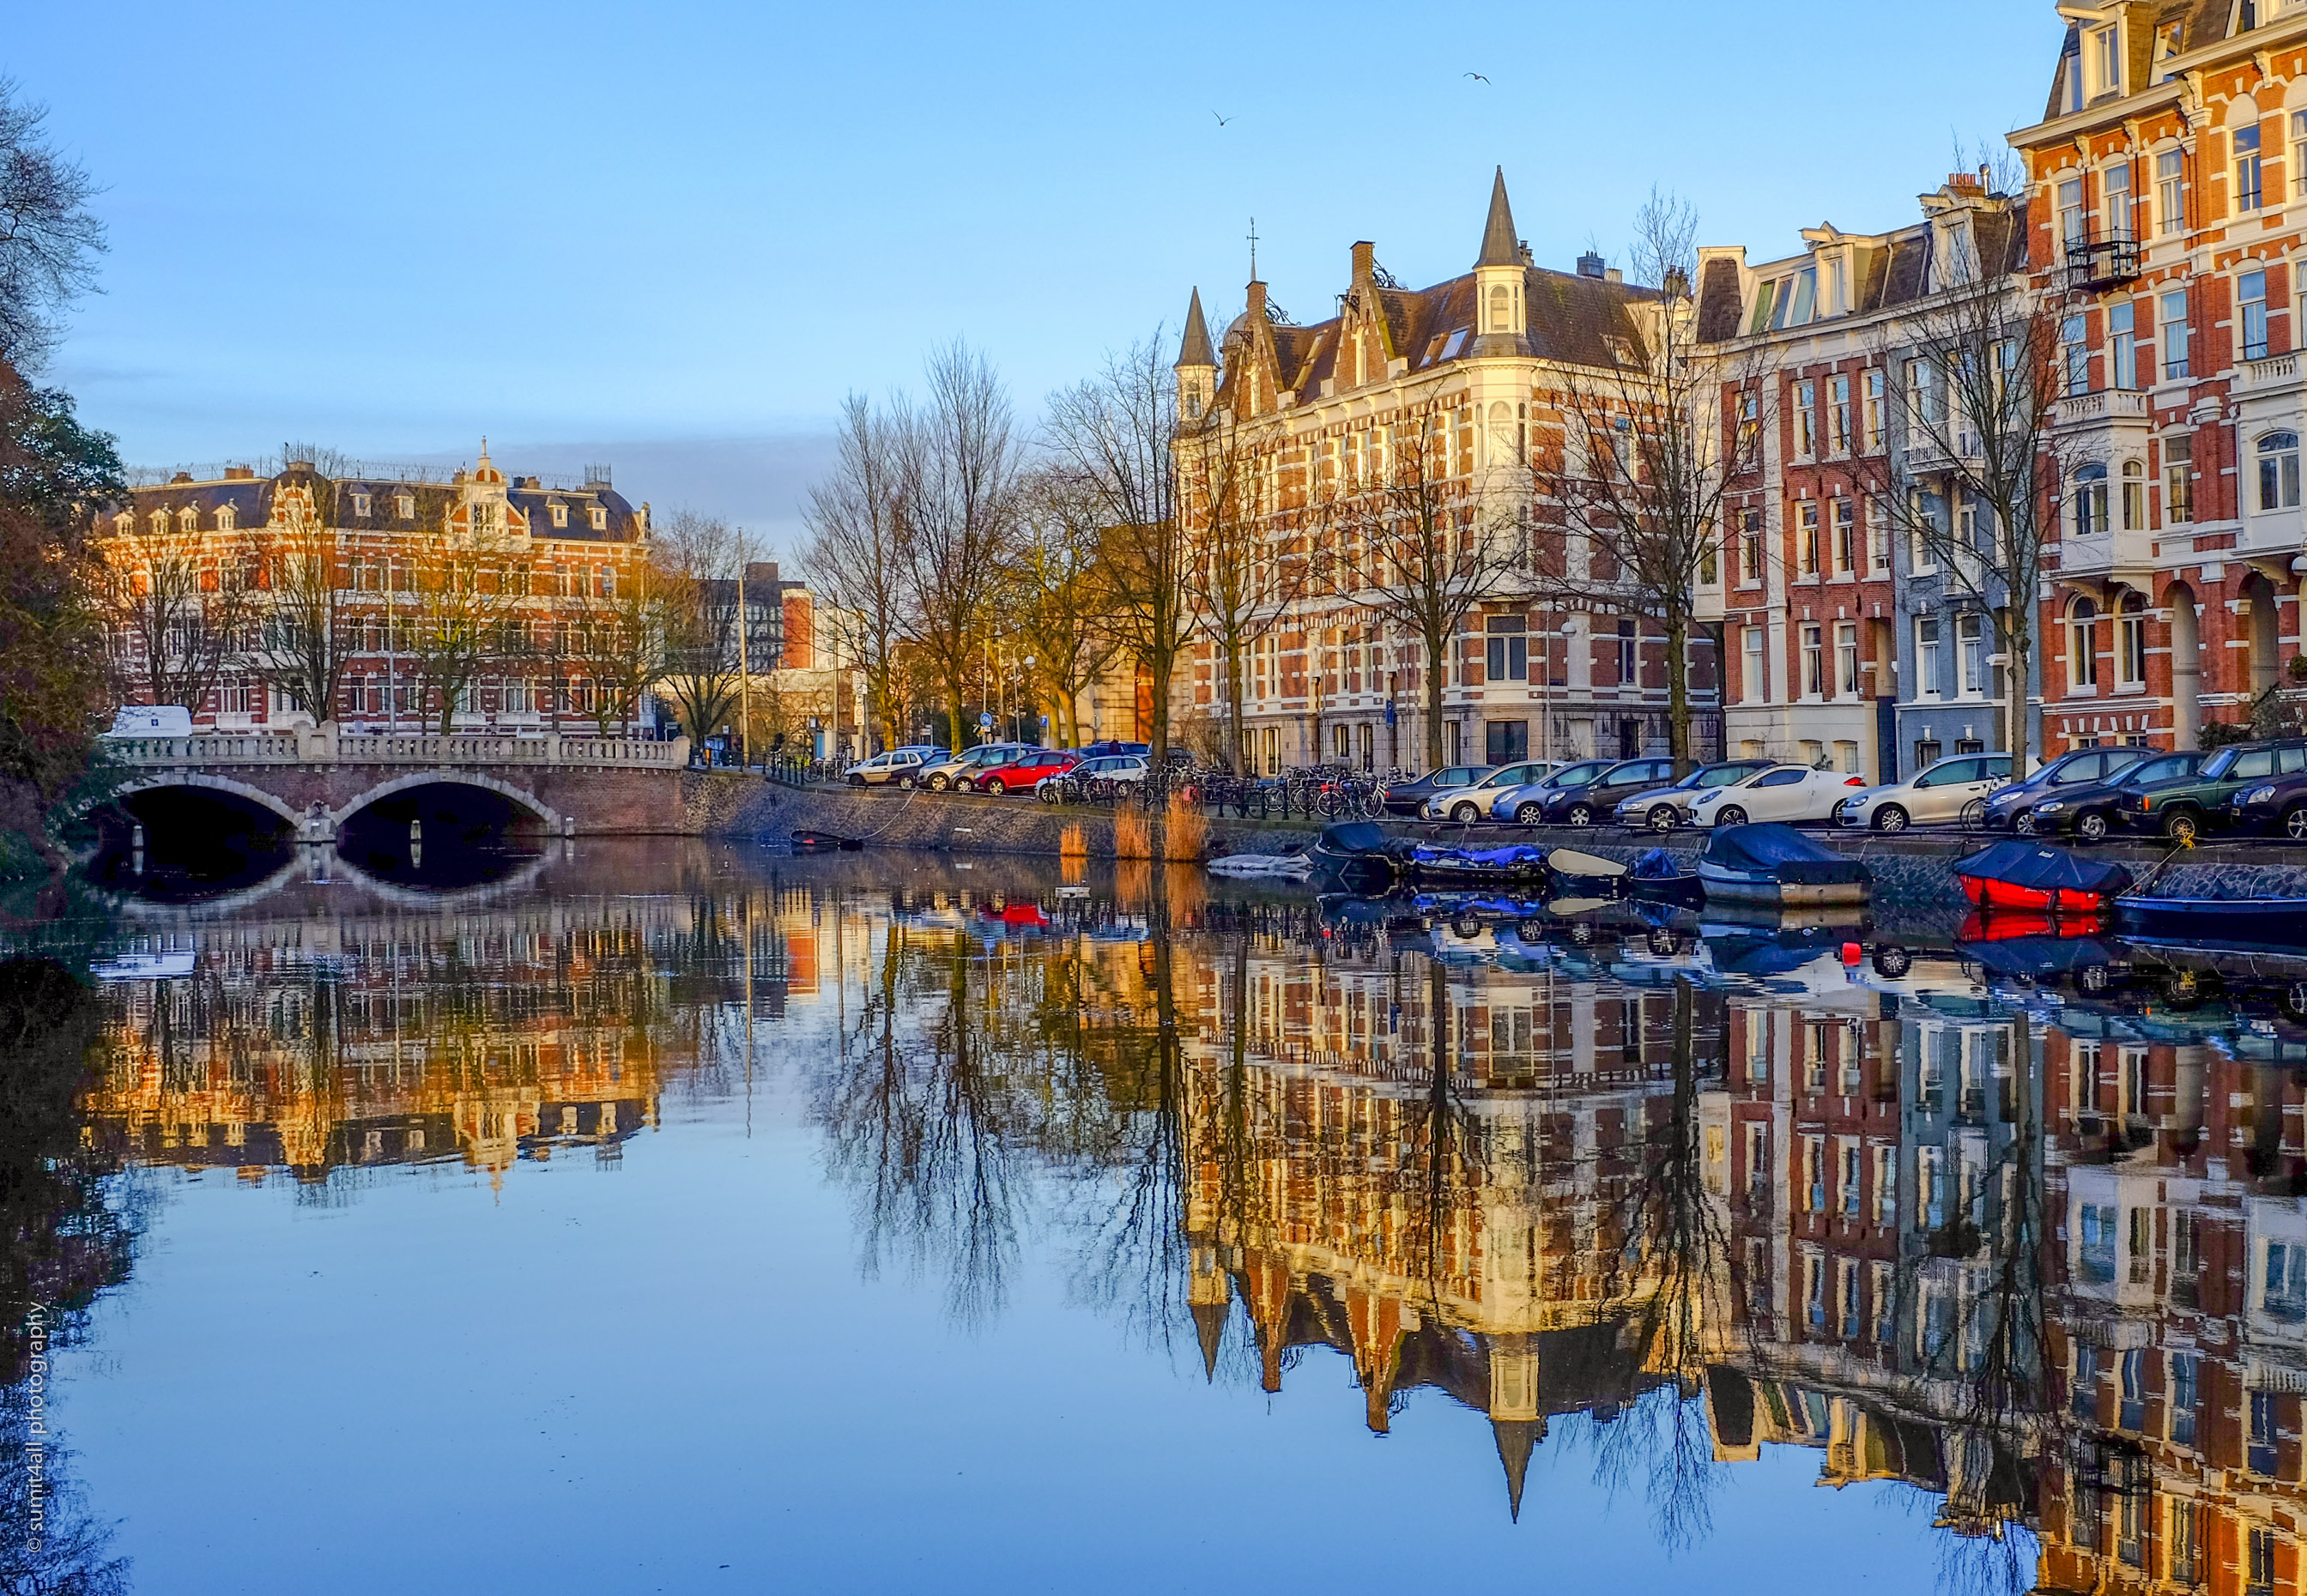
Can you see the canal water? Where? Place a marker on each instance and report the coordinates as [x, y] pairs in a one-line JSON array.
[[658, 1216]]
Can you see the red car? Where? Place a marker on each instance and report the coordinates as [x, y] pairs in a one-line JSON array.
[[1020, 774]]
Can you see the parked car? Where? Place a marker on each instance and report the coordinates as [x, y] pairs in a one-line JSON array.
[[2091, 812], [1409, 797], [1112, 746], [1936, 794], [2012, 807], [1021, 774], [1508, 804], [1469, 804], [2182, 807], [1791, 794], [944, 775], [1662, 808], [2278, 806], [1585, 793], [898, 766], [1093, 778]]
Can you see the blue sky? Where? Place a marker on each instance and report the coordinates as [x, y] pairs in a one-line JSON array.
[[672, 235]]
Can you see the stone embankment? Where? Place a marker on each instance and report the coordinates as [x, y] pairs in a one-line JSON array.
[[1908, 869]]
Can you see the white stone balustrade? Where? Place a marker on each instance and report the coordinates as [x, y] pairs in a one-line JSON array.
[[326, 745]]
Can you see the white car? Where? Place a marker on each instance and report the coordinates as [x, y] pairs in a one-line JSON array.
[[1790, 793], [1120, 770], [1662, 808], [1942, 791], [1468, 804], [902, 765]]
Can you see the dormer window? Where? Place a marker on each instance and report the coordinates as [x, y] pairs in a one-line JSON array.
[[559, 514], [1501, 310], [225, 517], [2169, 39], [404, 505], [1457, 341], [159, 523], [2103, 61], [125, 524], [188, 519], [360, 505], [600, 520]]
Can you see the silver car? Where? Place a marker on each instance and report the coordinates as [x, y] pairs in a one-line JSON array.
[[1508, 805], [1469, 804], [1662, 808]]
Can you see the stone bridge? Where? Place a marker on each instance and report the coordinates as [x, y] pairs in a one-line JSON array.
[[320, 782]]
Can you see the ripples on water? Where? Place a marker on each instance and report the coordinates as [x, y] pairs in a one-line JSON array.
[[1138, 1196]]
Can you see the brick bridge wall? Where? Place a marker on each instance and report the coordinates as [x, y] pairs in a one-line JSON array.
[[568, 801]]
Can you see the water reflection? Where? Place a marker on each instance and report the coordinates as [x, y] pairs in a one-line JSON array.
[[2018, 1233]]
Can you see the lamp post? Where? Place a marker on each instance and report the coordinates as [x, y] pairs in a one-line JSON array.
[[1032, 708]]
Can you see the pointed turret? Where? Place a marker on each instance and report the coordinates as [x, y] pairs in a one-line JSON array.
[[1197, 364], [1517, 1438], [1209, 1329], [1501, 245], [1498, 279]]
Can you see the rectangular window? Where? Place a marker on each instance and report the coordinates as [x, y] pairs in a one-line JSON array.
[[1806, 536], [2074, 355], [1805, 418], [1875, 528], [1509, 648], [2130, 648], [1846, 538], [2082, 647], [2171, 334], [1837, 416], [1927, 750], [1754, 674], [2298, 154], [2072, 229], [2179, 479], [1814, 661], [1709, 559], [1970, 649], [1874, 395], [2251, 302], [1846, 659], [1926, 520], [1629, 654], [2106, 60], [1750, 548], [2247, 192], [2121, 346], [2171, 192], [2115, 208]]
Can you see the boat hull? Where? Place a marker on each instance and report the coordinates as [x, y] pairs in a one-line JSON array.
[[1986, 893], [2245, 922], [1747, 887]]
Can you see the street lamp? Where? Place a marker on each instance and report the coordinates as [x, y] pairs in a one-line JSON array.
[[1031, 707]]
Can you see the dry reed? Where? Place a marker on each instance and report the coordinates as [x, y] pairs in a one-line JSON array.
[[1132, 837], [1188, 830]]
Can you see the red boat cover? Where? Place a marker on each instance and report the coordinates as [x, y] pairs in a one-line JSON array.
[[2021, 873]]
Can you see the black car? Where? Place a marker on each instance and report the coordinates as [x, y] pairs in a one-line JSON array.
[[2091, 811], [1597, 796], [2278, 804], [2012, 807], [1409, 797]]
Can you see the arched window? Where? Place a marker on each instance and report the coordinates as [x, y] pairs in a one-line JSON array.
[[2278, 471], [2134, 496], [2090, 501], [1501, 310], [2130, 641], [2082, 645]]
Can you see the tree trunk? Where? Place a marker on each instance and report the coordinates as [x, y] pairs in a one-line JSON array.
[[1437, 674], [1160, 740], [2017, 645], [1677, 686], [1237, 759], [953, 713]]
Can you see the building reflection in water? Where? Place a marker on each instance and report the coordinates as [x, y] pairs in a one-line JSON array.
[[2038, 1256]]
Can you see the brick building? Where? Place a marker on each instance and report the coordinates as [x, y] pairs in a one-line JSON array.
[[1469, 374]]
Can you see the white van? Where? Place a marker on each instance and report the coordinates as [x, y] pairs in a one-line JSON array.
[[161, 720]]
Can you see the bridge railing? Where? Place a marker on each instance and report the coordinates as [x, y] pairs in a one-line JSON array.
[[326, 746]]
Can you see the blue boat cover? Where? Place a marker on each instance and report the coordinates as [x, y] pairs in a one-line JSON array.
[[1781, 854], [1355, 837], [1656, 865], [2033, 956], [1507, 858], [2044, 870]]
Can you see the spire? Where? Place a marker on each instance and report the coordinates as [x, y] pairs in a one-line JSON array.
[[1516, 1440], [1500, 247], [1209, 1329], [1196, 349]]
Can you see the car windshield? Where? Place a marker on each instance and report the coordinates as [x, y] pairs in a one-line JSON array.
[[1718, 776], [1578, 775], [2162, 769]]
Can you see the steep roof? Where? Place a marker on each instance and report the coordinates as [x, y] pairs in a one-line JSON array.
[[1501, 245], [1195, 350]]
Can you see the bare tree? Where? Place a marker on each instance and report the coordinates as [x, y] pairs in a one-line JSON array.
[[616, 644], [858, 559], [958, 468], [186, 611], [1974, 483], [1114, 439], [1255, 543], [1424, 552], [1641, 473], [699, 559], [48, 239], [1056, 584], [307, 637], [465, 592]]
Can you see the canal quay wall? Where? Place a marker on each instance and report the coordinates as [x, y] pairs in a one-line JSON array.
[[1909, 869]]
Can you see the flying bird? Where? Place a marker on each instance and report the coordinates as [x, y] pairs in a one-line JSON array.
[[1478, 77], [1221, 120]]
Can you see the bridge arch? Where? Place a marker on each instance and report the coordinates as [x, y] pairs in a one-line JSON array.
[[520, 798], [209, 782]]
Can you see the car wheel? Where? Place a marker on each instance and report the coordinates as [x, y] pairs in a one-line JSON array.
[[1581, 814], [2294, 822], [998, 787], [1661, 818], [1466, 814], [2180, 826], [1890, 818], [856, 780], [1974, 815], [907, 782], [1530, 814], [1050, 795], [938, 783], [2095, 979], [2091, 827], [2023, 823], [1893, 962], [1731, 814]]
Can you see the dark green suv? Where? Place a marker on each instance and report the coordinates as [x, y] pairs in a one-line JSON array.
[[2186, 805]]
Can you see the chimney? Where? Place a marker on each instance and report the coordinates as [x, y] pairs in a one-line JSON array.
[[1590, 264], [240, 474], [1365, 260], [1258, 302], [180, 477], [1613, 275]]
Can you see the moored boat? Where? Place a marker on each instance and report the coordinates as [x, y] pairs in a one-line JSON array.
[[2030, 877], [824, 842], [1777, 866], [2224, 921]]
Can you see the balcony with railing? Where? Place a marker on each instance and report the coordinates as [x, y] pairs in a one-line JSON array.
[[2270, 374], [2094, 264]]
